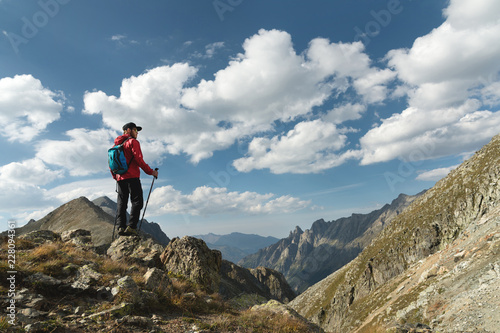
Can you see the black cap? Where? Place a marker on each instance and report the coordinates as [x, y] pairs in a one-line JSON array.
[[131, 125]]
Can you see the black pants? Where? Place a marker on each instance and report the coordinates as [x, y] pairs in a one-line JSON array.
[[129, 187]]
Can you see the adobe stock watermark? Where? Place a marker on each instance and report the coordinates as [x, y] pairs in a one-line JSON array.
[[408, 166], [223, 6], [381, 19], [31, 25], [11, 272]]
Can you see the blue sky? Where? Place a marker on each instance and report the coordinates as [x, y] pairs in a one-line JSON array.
[[260, 115]]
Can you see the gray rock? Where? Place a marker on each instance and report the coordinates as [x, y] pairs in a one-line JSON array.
[[43, 281], [156, 279], [145, 252], [192, 258], [127, 288], [119, 311], [79, 237], [41, 236], [87, 277]]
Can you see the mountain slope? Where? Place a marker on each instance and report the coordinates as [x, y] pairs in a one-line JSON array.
[[306, 257], [438, 220], [79, 213]]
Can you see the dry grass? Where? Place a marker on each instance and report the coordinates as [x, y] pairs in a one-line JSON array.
[[258, 322], [182, 298]]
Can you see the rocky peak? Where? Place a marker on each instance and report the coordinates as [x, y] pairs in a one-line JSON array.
[[79, 213]]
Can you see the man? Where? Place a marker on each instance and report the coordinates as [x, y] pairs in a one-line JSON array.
[[129, 183]]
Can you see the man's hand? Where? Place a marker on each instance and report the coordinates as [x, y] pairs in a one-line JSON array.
[[155, 173]]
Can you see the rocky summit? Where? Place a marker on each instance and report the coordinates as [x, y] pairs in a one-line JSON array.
[[64, 285], [435, 268]]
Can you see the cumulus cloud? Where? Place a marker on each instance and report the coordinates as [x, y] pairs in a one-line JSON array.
[[344, 113], [440, 74], [31, 172], [21, 185], [308, 148], [436, 174], [205, 201], [91, 189], [266, 83], [26, 107], [82, 155]]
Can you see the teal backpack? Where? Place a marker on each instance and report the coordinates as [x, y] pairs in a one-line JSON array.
[[116, 159]]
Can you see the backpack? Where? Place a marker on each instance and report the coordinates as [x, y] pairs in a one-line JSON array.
[[116, 159]]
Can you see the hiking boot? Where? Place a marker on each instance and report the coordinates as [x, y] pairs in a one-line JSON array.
[[121, 231], [131, 231]]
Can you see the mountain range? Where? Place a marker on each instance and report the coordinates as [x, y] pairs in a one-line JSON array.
[[306, 257], [235, 246], [436, 266]]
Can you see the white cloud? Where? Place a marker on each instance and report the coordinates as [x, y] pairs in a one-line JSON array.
[[30, 172], [344, 113], [210, 49], [309, 148], [441, 73], [118, 38], [83, 154], [468, 133], [207, 201], [436, 174], [26, 107], [266, 83], [91, 189]]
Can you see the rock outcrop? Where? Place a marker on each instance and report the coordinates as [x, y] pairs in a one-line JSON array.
[[191, 257], [428, 239], [306, 257], [135, 249], [65, 285], [262, 283]]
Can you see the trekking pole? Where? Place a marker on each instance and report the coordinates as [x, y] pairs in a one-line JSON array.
[[146, 206]]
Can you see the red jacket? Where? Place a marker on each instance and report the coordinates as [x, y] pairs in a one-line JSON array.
[[132, 148]]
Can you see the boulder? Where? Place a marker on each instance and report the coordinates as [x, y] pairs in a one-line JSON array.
[[127, 289], [78, 237], [156, 279], [41, 236], [87, 277], [191, 257], [145, 252]]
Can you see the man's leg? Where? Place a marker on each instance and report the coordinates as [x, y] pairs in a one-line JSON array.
[[137, 201], [121, 207]]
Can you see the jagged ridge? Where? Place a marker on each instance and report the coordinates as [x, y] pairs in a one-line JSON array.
[[306, 257]]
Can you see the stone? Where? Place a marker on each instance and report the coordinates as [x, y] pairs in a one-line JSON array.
[[87, 277], [121, 310], [145, 252], [42, 281], [276, 307], [156, 279], [192, 258], [127, 288], [41, 236], [83, 236]]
